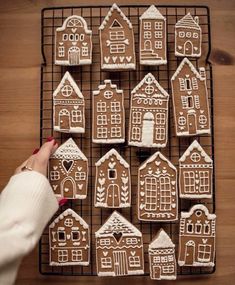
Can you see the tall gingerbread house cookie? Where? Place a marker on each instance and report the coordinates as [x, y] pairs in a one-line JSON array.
[[69, 238], [197, 237], [152, 37], [117, 41], [148, 123], [195, 173], [68, 171], [68, 107], [162, 263], [113, 181], [119, 248], [188, 37], [108, 123], [157, 190], [190, 100], [73, 44]]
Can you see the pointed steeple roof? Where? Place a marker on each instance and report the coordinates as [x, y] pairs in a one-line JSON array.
[[109, 154], [149, 78], [69, 150], [161, 240], [67, 76], [155, 156], [152, 13], [110, 12], [69, 212], [191, 66], [116, 223], [195, 145], [188, 22]]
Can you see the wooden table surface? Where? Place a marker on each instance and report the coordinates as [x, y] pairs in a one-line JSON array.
[[20, 60]]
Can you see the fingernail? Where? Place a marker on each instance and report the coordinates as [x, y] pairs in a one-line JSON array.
[[63, 201], [36, 150], [49, 139]]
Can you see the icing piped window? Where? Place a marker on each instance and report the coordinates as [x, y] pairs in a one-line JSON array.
[[195, 157], [67, 90]]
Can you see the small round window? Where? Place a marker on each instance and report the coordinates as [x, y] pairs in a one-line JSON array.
[[67, 90], [195, 157], [198, 213], [108, 94], [149, 89]]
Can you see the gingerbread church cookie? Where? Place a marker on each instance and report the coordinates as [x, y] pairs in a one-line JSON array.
[[152, 37], [117, 41], [113, 181], [148, 124], [157, 190], [162, 263], [195, 173], [73, 45], [197, 237], [108, 125], [69, 240], [190, 100], [68, 171], [69, 107], [188, 37], [119, 248]]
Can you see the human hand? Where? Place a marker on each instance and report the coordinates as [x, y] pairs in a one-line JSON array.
[[38, 161]]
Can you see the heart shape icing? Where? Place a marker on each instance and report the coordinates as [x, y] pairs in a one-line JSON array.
[[67, 164]]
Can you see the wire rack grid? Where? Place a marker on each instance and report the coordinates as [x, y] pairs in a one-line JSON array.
[[88, 78]]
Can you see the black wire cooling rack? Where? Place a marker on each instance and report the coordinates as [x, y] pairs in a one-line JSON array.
[[88, 78]]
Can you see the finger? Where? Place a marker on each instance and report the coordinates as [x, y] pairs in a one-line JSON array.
[[45, 151]]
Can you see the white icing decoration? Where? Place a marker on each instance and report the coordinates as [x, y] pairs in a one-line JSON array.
[[152, 13], [162, 240], [188, 22]]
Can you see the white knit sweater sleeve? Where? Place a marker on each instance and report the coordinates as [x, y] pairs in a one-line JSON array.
[[26, 205]]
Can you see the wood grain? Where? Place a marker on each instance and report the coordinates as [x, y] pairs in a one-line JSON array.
[[20, 59]]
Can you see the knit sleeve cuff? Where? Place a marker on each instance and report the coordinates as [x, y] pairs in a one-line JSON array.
[[28, 199]]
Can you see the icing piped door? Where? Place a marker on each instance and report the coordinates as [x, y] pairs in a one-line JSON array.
[[148, 129]]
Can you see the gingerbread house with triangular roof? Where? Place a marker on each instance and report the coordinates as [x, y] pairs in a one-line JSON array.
[[162, 262], [195, 173], [113, 181], [119, 248], [117, 41], [153, 37], [190, 100], [148, 121], [69, 240], [157, 190], [188, 37], [68, 171], [68, 107]]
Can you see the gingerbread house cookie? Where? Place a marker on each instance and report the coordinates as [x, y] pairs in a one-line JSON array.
[[68, 171], [113, 181], [73, 45], [162, 263], [148, 123], [157, 190], [152, 37], [108, 125], [119, 248], [195, 173], [188, 37], [69, 240], [190, 100], [197, 237], [68, 107], [117, 41]]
